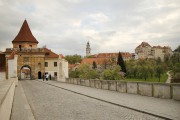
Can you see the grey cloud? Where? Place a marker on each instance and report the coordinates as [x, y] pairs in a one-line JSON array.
[[65, 26]]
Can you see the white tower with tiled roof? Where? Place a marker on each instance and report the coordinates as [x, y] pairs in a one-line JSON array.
[[88, 49]]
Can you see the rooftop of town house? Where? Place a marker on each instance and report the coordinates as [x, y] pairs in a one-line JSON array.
[[50, 54]]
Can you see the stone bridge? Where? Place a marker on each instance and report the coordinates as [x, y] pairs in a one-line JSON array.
[[79, 99]]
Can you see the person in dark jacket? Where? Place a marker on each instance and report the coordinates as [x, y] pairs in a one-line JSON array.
[[50, 76]]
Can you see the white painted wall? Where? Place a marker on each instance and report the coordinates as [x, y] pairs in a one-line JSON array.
[[63, 70], [12, 67], [51, 68]]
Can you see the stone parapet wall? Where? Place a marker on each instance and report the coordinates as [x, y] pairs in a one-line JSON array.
[[145, 89], [159, 90], [6, 98], [176, 92], [132, 87], [162, 90]]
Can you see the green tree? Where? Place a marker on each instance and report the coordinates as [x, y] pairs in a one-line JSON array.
[[94, 65], [175, 58], [73, 74], [159, 71], [158, 60], [73, 59], [176, 78], [105, 63], [85, 71], [176, 68], [112, 74], [177, 49], [145, 71], [121, 63]]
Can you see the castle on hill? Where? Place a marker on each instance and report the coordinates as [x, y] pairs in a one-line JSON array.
[[145, 51]]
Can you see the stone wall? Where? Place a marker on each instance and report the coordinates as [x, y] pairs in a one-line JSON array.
[[159, 90]]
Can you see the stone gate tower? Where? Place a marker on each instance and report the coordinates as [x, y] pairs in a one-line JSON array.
[[26, 60]]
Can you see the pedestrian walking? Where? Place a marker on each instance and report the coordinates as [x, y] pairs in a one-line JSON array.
[[50, 76], [47, 76]]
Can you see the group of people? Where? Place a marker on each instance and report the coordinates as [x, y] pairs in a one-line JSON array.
[[46, 76]]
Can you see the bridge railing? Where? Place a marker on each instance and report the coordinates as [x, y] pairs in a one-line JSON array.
[[158, 90], [7, 88]]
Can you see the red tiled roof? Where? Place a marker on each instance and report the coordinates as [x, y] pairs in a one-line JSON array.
[[12, 55], [143, 44], [70, 66], [50, 54], [158, 47], [99, 61], [25, 34], [109, 55], [61, 56]]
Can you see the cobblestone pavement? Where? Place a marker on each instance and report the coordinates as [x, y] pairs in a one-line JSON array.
[[162, 107], [52, 103]]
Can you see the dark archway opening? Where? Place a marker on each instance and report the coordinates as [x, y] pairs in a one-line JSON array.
[[39, 75], [25, 72]]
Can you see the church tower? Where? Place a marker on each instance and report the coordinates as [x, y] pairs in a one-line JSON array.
[[88, 49]]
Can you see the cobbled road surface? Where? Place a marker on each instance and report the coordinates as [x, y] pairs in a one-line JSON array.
[[51, 103]]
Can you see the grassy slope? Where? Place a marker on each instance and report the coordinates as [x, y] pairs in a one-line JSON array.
[[163, 79]]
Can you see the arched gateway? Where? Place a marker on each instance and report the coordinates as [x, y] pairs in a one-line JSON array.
[[25, 72]]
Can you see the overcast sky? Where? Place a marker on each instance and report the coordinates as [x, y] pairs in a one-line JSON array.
[[65, 26]]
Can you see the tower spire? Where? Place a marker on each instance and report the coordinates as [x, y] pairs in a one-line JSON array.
[[25, 34], [88, 49]]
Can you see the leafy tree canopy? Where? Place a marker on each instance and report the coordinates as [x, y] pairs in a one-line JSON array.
[[112, 74], [177, 49], [121, 63], [73, 59]]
